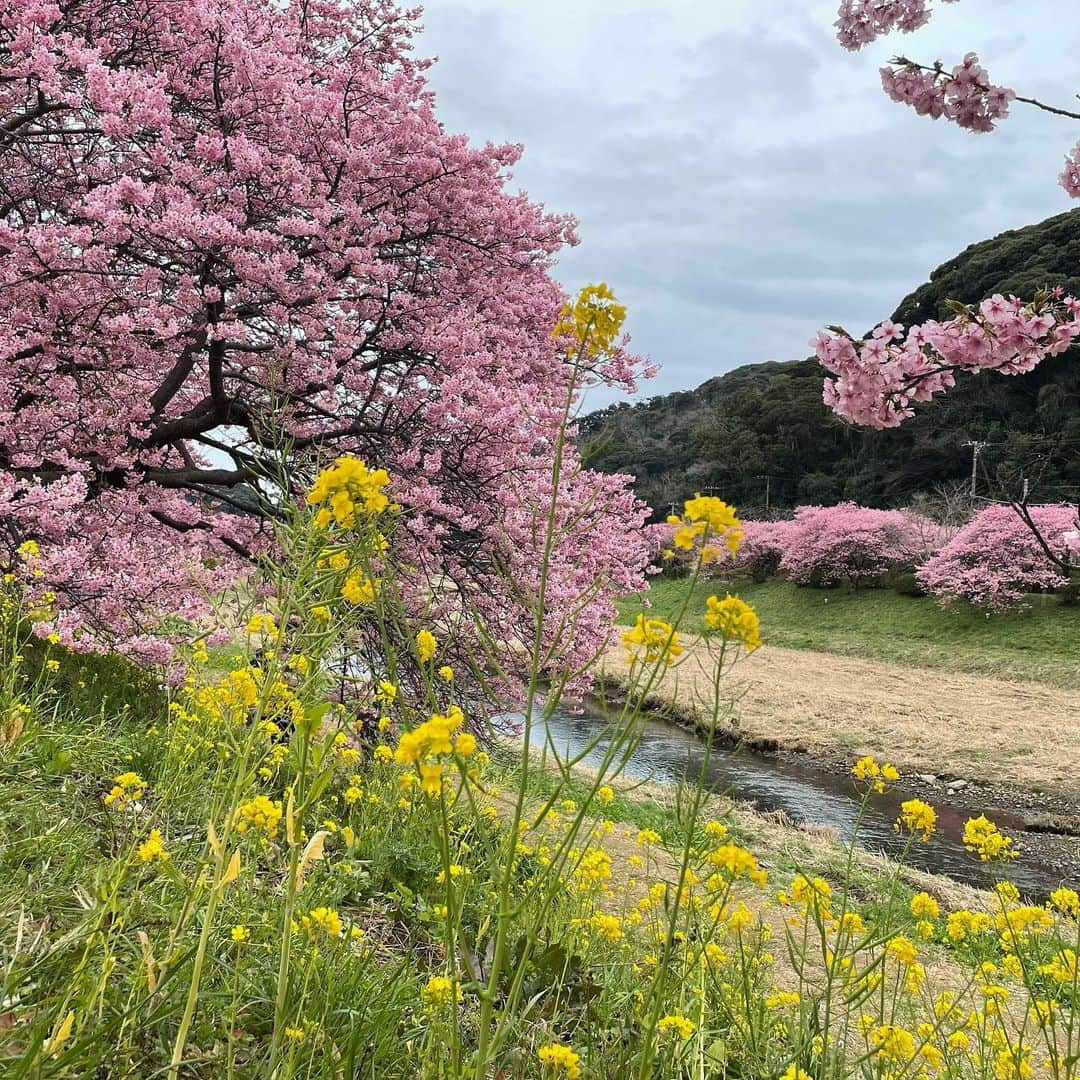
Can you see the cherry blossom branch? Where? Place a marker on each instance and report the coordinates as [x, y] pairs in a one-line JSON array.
[[938, 70]]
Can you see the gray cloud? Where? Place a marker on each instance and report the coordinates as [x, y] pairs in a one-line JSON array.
[[740, 180]]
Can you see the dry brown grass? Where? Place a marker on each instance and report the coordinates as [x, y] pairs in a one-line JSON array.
[[926, 721]]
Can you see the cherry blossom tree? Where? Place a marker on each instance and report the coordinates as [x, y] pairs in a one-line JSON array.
[[825, 545], [996, 559], [234, 233], [763, 547]]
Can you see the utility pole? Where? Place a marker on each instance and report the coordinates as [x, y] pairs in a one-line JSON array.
[[768, 489], [976, 450]]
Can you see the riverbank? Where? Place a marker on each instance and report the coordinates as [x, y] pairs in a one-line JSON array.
[[963, 741]]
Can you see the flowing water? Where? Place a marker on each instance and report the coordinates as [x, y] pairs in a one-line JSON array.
[[667, 754]]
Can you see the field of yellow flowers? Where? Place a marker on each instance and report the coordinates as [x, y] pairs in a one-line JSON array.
[[244, 876]]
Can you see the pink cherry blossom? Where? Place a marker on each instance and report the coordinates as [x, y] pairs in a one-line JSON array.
[[825, 545], [860, 22], [877, 384], [965, 95]]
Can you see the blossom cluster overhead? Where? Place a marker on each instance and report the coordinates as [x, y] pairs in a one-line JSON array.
[[880, 378], [964, 95], [859, 22]]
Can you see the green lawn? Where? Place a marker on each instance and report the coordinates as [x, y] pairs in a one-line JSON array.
[[1041, 643]]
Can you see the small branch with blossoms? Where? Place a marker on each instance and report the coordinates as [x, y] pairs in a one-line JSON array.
[[1066, 559], [965, 95], [997, 97], [878, 379]]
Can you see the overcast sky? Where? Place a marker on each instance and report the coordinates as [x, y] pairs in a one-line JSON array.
[[740, 179]]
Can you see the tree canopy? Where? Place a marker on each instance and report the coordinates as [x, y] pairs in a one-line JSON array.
[[231, 230]]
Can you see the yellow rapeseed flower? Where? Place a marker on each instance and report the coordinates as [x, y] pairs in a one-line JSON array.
[[710, 519], [981, 837], [782, 997], [924, 906], [902, 949], [153, 847], [793, 1072], [593, 321], [894, 1044], [261, 624], [359, 589], [128, 788], [659, 639], [608, 927], [1067, 901], [734, 619], [426, 645], [439, 991], [918, 818], [733, 860], [321, 922], [559, 1060], [868, 770], [261, 814], [813, 893], [676, 1023], [432, 738], [349, 486], [1062, 968]]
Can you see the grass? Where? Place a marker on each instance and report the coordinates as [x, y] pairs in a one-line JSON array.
[[1039, 643], [91, 932]]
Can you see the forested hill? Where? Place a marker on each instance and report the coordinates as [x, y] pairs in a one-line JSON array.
[[762, 429]]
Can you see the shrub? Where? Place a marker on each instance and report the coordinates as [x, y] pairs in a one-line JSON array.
[[907, 584]]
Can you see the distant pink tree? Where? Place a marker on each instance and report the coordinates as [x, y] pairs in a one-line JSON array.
[[926, 536], [763, 547], [229, 224], [996, 559], [829, 544]]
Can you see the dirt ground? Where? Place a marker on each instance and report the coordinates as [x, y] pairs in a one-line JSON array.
[[836, 708]]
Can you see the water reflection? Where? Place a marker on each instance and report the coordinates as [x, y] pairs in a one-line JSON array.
[[667, 754]]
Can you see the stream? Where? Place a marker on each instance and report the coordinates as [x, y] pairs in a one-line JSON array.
[[667, 754]]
